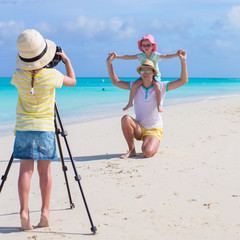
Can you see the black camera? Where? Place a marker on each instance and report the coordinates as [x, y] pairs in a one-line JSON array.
[[56, 59]]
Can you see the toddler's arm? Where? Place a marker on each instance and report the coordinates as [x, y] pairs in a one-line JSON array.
[[125, 57], [169, 56]]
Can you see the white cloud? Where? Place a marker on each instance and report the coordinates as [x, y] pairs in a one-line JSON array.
[[44, 27], [86, 26], [122, 29], [179, 26], [11, 29], [232, 19], [118, 28], [115, 24], [89, 27], [223, 44]]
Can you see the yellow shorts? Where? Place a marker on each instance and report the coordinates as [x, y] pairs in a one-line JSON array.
[[158, 132]]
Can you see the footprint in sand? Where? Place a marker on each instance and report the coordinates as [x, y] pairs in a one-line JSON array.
[[139, 196], [209, 205]]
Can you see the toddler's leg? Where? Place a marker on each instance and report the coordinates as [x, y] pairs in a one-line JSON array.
[[158, 95], [135, 85], [24, 181]]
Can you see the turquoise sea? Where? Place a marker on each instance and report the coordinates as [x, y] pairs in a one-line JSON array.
[[94, 98]]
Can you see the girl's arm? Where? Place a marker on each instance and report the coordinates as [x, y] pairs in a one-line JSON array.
[[70, 79], [169, 56], [125, 57]]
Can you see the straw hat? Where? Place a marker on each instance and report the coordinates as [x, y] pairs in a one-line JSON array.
[[34, 51], [150, 38], [147, 63]]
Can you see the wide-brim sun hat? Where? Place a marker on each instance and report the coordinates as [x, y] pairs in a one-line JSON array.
[[150, 38], [146, 63], [34, 51]]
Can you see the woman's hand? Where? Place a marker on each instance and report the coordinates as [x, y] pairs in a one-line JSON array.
[[182, 55], [111, 57]]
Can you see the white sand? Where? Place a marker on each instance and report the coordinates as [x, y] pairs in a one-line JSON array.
[[189, 190]]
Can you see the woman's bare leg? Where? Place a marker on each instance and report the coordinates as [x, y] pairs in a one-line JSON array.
[[150, 145], [130, 129]]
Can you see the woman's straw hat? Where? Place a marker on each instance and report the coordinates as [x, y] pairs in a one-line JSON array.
[[147, 63], [34, 51]]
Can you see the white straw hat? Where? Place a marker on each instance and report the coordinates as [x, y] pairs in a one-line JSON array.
[[34, 51]]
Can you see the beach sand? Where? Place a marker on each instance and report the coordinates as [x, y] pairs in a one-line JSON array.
[[189, 190]]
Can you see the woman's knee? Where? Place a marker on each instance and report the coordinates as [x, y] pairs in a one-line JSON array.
[[147, 152], [150, 146], [126, 120]]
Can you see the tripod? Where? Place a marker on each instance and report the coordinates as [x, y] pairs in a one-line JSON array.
[[63, 133]]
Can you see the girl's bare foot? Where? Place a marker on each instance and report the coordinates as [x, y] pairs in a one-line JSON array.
[[25, 221], [131, 153], [128, 106], [159, 108], [44, 221]]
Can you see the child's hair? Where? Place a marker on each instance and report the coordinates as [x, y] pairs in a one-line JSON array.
[[33, 75], [32, 84]]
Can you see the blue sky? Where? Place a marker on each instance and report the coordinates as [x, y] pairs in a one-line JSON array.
[[87, 30]]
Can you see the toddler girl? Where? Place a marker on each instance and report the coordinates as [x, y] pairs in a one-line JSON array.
[[148, 48]]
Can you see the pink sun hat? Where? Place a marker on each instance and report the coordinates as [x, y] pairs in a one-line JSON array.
[[150, 38]]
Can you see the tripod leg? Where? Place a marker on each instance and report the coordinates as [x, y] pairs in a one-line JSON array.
[[4, 177], [77, 177], [64, 167]]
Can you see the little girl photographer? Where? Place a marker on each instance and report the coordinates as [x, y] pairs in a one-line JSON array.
[[35, 132]]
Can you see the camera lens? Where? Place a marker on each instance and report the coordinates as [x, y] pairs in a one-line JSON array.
[[56, 59]]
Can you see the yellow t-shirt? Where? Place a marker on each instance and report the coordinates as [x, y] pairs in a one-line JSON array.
[[36, 112]]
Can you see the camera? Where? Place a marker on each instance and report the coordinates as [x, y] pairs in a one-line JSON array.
[[56, 59]]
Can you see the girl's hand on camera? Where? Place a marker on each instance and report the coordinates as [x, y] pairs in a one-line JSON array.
[[63, 56]]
